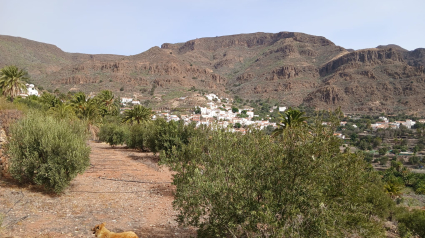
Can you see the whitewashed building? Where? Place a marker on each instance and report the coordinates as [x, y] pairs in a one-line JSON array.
[[126, 100]]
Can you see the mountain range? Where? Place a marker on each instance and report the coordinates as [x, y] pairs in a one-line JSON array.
[[287, 67]]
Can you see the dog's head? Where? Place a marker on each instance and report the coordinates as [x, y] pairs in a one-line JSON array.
[[98, 228]]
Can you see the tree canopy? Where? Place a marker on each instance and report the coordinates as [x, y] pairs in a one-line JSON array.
[[138, 114], [12, 81], [289, 119]]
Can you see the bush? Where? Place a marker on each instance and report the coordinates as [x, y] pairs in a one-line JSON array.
[[113, 134], [382, 151], [368, 157], [252, 185], [383, 160], [413, 160], [47, 152], [168, 135], [411, 222], [138, 136], [420, 186]]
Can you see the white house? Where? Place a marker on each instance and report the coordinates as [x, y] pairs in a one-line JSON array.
[[211, 96], [173, 118], [384, 119], [31, 90], [282, 109], [409, 123], [126, 100], [212, 105]]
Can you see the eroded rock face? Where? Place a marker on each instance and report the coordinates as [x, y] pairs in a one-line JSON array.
[[290, 72], [357, 59], [330, 95]]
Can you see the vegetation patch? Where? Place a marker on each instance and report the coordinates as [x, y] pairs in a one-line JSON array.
[[47, 152]]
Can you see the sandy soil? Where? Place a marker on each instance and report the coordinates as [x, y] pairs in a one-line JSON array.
[[123, 188]]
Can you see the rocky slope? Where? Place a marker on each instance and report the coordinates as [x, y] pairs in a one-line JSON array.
[[291, 68]]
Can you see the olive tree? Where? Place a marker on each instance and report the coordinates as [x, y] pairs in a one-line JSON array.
[[47, 151], [296, 185]]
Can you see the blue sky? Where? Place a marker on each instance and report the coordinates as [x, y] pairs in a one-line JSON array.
[[130, 27]]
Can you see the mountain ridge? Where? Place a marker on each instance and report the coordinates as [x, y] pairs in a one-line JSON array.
[[290, 68]]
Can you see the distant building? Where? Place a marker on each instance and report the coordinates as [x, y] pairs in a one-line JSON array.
[[30, 91], [211, 96], [126, 100]]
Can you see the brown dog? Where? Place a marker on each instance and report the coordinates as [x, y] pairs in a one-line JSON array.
[[101, 232]]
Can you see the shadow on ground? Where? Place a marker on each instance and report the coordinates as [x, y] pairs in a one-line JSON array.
[[165, 231], [148, 160]]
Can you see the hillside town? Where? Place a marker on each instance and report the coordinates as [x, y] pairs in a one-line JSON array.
[[216, 112], [221, 113]]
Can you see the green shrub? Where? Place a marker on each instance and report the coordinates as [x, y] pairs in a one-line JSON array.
[[420, 187], [298, 185], [47, 152], [165, 136], [411, 222], [138, 136], [382, 151], [413, 160], [383, 160], [368, 157], [113, 133]]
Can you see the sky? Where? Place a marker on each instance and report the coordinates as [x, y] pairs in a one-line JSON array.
[[129, 27]]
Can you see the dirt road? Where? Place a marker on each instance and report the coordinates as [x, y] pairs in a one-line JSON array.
[[123, 188]]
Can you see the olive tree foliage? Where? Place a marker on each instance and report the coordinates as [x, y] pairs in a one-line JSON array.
[[139, 135], [47, 151], [113, 134], [160, 135], [411, 223], [296, 185]]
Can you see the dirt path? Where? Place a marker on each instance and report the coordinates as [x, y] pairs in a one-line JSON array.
[[124, 188]]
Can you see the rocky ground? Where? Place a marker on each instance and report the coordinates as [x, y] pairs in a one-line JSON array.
[[124, 188]]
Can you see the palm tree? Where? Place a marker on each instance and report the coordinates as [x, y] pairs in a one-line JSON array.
[[11, 81], [138, 114], [85, 108], [108, 103], [49, 100], [291, 118], [62, 111], [393, 189]]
